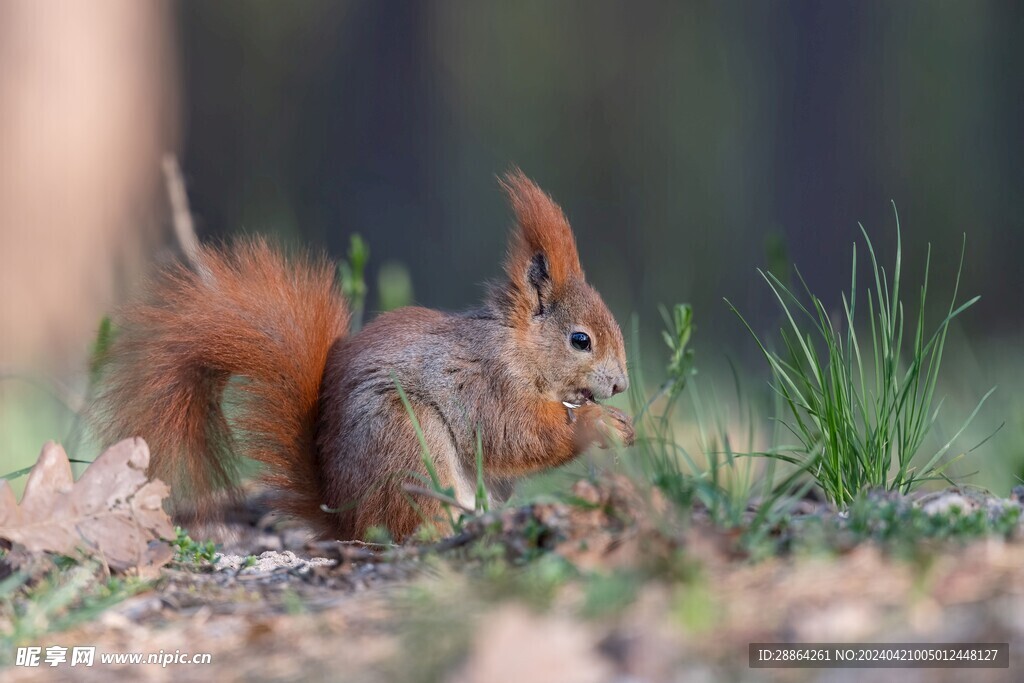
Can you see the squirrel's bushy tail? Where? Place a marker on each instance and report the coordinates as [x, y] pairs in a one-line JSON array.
[[223, 360]]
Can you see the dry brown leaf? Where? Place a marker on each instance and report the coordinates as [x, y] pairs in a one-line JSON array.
[[113, 512]]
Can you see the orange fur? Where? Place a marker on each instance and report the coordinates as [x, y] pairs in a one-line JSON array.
[[541, 228], [248, 312]]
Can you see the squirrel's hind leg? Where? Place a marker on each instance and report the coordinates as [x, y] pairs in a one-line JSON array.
[[384, 456]]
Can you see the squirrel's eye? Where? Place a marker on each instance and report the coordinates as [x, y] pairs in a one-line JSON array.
[[580, 341]]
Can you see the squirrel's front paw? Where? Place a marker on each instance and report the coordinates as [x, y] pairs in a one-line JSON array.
[[613, 427]]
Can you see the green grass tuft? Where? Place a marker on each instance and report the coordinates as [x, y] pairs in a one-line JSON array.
[[861, 404]]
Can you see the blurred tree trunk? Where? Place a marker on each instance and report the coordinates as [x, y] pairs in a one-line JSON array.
[[88, 104]]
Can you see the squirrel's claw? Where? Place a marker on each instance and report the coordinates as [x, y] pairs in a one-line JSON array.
[[616, 428]]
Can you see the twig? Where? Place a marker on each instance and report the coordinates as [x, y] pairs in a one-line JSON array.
[[181, 215], [368, 544], [345, 551]]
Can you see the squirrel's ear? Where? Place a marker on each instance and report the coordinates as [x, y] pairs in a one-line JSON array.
[[542, 251]]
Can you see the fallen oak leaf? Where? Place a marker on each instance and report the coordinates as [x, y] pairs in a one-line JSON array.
[[113, 512]]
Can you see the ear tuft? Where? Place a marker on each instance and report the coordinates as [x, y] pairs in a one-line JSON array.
[[541, 228]]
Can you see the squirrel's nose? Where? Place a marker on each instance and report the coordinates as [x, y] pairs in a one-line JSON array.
[[620, 386]]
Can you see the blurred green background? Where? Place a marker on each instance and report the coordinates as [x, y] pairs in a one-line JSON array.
[[689, 143]]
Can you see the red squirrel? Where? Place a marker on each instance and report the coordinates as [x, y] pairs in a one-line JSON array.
[[321, 410]]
